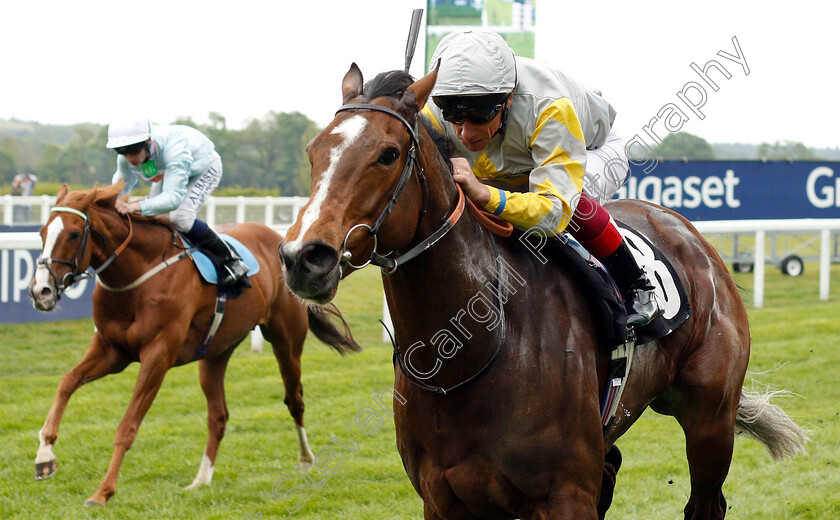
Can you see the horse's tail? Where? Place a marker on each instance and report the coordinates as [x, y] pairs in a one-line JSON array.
[[338, 337], [767, 423]]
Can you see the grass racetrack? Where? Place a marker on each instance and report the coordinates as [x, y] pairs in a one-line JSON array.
[[796, 346]]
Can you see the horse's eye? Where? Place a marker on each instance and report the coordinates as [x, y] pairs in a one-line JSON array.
[[389, 156], [75, 235]]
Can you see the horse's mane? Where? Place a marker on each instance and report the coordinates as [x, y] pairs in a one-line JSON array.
[[93, 196], [390, 84], [103, 197]]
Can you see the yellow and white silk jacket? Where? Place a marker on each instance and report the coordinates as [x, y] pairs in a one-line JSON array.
[[535, 168]]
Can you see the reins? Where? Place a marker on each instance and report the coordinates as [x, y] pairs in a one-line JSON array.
[[75, 276], [413, 379]]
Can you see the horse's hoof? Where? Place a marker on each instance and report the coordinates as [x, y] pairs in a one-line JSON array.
[[93, 503], [44, 470]]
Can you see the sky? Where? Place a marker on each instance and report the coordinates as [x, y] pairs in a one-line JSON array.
[[93, 61]]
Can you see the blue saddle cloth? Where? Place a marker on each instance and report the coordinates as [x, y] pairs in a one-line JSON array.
[[208, 271]]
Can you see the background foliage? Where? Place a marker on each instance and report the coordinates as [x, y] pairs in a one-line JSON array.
[[268, 154]]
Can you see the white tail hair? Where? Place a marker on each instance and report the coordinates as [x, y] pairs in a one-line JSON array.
[[758, 418]]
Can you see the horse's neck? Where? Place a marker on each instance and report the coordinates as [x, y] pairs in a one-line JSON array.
[[449, 295], [144, 250]]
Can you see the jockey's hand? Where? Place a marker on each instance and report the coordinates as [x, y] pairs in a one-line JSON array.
[[123, 208], [473, 188]]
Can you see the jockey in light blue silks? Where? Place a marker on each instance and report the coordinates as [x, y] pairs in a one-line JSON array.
[[183, 167]]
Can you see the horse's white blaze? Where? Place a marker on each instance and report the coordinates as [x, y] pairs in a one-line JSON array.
[[205, 473], [45, 452], [306, 455], [350, 130], [42, 273]]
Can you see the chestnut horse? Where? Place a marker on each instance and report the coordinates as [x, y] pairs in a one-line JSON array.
[[499, 366], [164, 321]]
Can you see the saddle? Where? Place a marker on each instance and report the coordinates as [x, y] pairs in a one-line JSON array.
[[607, 301], [207, 266]]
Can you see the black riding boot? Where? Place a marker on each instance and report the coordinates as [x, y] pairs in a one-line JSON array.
[[639, 296], [235, 267]]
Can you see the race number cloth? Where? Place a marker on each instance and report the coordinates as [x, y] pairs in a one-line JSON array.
[[669, 288], [607, 303]]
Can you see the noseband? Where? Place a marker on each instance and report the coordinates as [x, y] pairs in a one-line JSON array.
[[390, 264], [75, 275]]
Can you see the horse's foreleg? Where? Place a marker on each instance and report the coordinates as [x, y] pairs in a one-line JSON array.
[[287, 353], [211, 373], [154, 362], [99, 360]]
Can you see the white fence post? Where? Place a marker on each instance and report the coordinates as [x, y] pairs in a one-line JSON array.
[[240, 209], [269, 211], [46, 202], [825, 263], [758, 273], [8, 210]]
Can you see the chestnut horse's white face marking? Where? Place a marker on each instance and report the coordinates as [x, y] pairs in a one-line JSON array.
[[350, 131], [42, 273]]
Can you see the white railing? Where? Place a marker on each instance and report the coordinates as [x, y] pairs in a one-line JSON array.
[[824, 227], [280, 212], [276, 212]]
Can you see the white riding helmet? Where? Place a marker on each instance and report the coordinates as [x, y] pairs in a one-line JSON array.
[[473, 63], [127, 132]]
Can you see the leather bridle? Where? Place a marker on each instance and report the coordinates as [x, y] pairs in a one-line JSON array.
[[76, 275], [387, 263]]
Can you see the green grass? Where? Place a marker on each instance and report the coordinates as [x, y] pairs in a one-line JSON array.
[[795, 335]]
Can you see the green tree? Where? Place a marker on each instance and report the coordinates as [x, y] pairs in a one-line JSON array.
[[84, 160], [269, 153], [49, 167], [785, 150], [682, 145], [8, 167]]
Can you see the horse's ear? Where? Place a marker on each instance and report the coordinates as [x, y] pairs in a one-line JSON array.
[[351, 85], [423, 87], [61, 194]]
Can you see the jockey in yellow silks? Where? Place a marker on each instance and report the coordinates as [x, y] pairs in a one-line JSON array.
[[536, 148]]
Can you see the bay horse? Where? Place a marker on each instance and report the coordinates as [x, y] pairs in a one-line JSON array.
[[164, 321], [497, 364]]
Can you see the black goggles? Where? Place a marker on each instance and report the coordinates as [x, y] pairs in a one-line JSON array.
[[132, 149], [458, 109]]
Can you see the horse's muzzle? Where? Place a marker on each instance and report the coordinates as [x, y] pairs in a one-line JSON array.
[[44, 296], [312, 269]]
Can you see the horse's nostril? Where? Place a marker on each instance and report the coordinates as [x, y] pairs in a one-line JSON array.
[[318, 258], [287, 259]]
